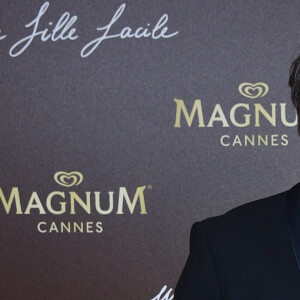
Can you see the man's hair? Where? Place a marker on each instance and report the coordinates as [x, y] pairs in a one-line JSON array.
[[294, 83]]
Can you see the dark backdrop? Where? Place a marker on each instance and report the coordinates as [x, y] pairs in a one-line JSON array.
[[111, 117]]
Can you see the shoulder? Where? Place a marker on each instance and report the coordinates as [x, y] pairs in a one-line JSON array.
[[248, 219]]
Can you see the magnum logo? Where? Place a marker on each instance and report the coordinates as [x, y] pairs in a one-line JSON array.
[[71, 202], [240, 115], [252, 91], [68, 179]]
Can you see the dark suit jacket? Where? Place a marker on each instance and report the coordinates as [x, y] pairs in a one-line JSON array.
[[247, 253]]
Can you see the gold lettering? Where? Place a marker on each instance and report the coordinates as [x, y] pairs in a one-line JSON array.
[[78, 227], [259, 109], [251, 141], [214, 117], [222, 140], [86, 206], [139, 194], [53, 227], [89, 227], [99, 228], [237, 140], [39, 227], [284, 139], [97, 203], [232, 115], [260, 138], [283, 116], [189, 118], [65, 227], [62, 204], [34, 202], [274, 139], [13, 197]]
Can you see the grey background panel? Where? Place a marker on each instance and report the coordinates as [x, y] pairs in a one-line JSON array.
[[111, 117]]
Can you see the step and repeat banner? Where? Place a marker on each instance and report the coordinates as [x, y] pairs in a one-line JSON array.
[[123, 123]]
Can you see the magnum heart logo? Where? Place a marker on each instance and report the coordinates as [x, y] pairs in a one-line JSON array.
[[255, 90], [68, 179]]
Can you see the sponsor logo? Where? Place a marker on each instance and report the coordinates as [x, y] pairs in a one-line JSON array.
[[68, 179], [69, 202], [253, 115], [249, 90]]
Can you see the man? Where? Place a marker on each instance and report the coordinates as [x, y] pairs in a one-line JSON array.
[[251, 252]]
